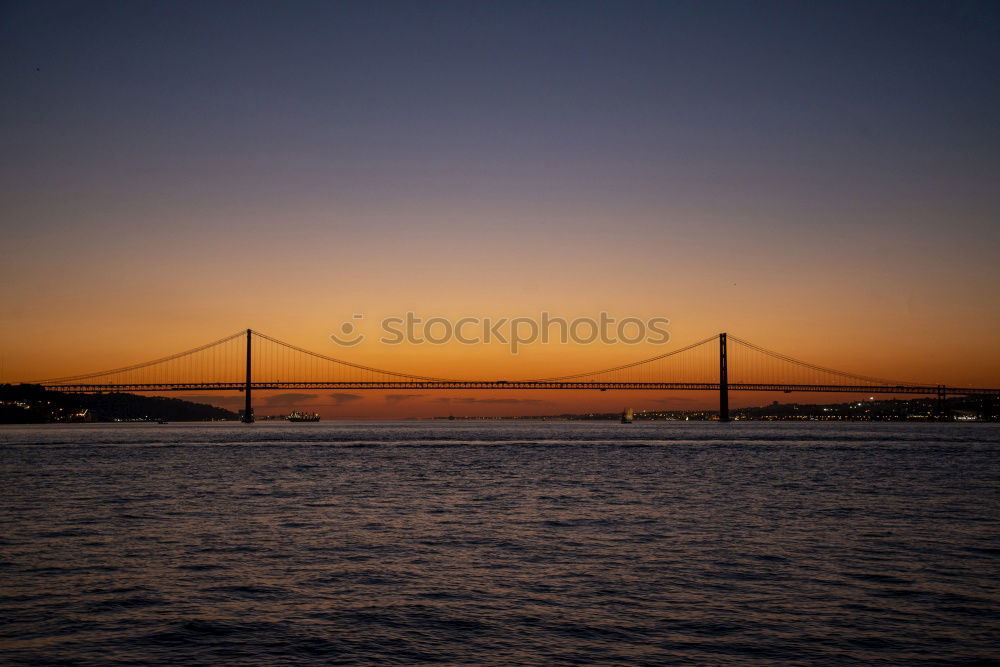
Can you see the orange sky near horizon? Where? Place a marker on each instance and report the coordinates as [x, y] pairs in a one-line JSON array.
[[905, 347], [851, 307]]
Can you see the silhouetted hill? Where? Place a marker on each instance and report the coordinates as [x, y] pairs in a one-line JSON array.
[[33, 404]]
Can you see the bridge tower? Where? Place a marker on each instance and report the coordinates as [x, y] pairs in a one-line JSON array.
[[723, 380], [248, 408]]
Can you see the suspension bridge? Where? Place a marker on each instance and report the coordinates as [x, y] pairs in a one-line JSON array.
[[249, 361]]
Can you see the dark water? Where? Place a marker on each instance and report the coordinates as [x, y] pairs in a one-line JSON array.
[[500, 543]]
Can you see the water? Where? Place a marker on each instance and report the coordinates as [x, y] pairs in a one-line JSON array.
[[500, 542]]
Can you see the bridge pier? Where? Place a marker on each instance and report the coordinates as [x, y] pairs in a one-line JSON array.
[[723, 380], [987, 409], [248, 408], [942, 404]]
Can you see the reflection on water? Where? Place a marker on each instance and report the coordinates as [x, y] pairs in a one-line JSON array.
[[499, 542]]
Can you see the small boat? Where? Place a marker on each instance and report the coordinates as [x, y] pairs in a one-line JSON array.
[[627, 416], [162, 421], [303, 416]]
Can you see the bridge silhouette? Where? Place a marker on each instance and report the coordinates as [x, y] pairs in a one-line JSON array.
[[249, 361]]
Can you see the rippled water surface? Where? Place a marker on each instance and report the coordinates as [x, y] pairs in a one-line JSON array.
[[500, 542]]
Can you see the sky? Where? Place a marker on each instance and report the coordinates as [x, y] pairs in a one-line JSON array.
[[819, 178]]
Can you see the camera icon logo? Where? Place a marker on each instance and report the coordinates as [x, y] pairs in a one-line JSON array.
[[348, 336]]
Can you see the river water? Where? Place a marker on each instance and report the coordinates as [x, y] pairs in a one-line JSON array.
[[500, 542]]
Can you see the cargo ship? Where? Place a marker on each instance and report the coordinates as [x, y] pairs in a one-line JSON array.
[[303, 417]]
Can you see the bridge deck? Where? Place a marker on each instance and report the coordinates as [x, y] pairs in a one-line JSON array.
[[518, 385]]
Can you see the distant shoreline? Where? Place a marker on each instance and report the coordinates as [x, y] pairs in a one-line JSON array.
[[32, 404]]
